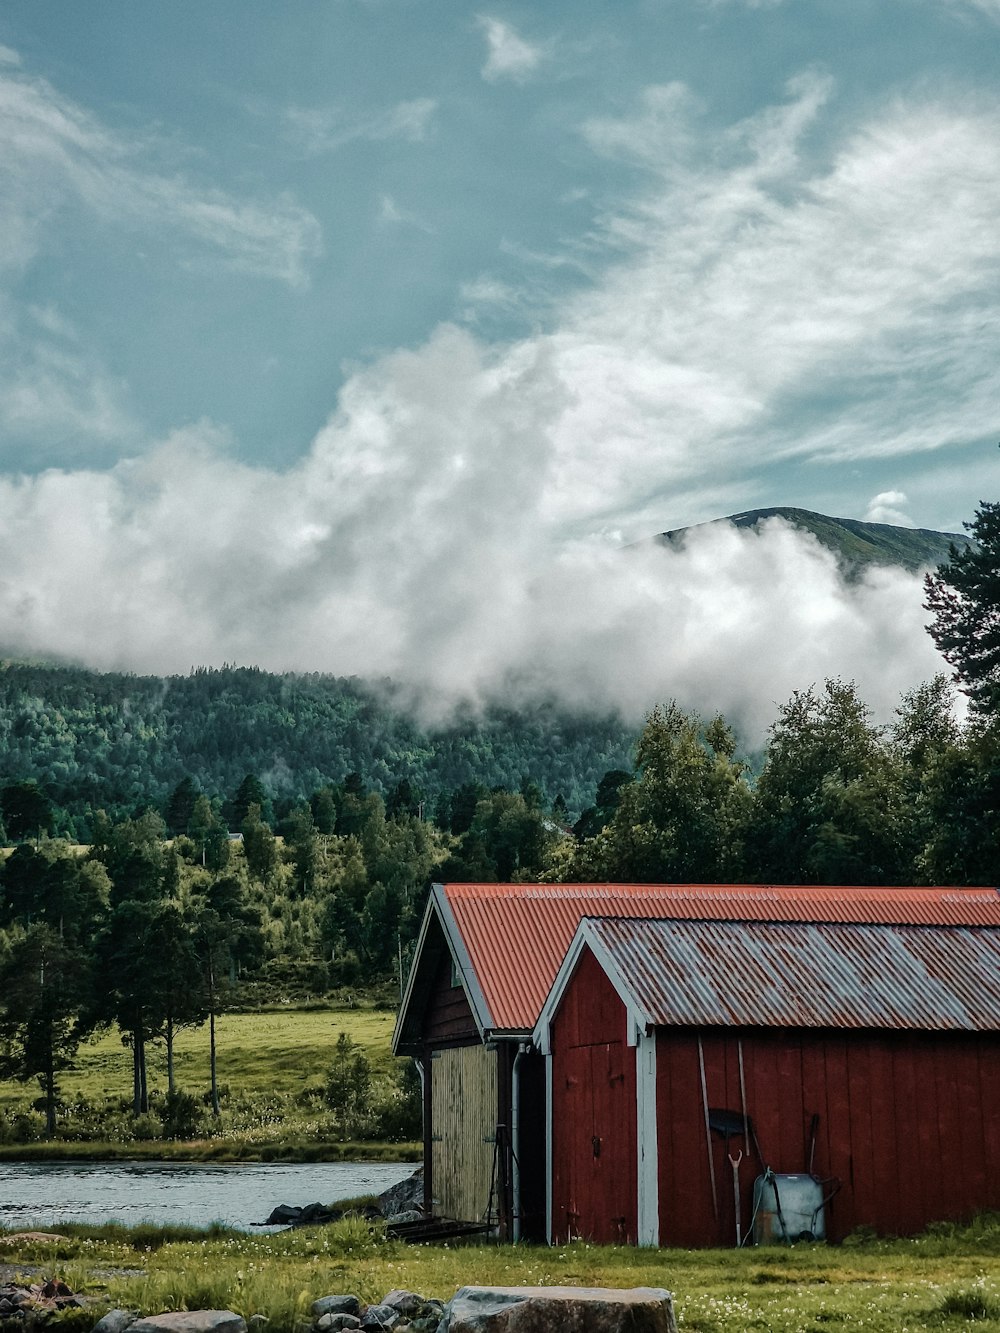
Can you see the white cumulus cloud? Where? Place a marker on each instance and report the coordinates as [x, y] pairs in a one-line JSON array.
[[889, 507], [509, 55]]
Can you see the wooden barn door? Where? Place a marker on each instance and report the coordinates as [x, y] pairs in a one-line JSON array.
[[598, 1139], [463, 1123]]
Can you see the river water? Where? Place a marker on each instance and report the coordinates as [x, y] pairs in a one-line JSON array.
[[47, 1194]]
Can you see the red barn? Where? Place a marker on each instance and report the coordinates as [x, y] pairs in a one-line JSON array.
[[486, 958], [685, 1057]]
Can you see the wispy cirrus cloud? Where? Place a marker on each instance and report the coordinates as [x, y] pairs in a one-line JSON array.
[[54, 390], [392, 214], [58, 162], [318, 130], [764, 281], [509, 55], [55, 153], [991, 8]]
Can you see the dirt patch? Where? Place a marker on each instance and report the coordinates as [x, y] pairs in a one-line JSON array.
[[9, 1272]]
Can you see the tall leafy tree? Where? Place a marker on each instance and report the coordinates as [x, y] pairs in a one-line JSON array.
[[926, 741], [125, 956], [180, 806], [963, 596], [133, 853], [506, 840], [260, 850], [347, 887], [250, 792], [348, 1084], [27, 812], [957, 806], [683, 817], [227, 935], [43, 984], [606, 802], [323, 804], [462, 806], [404, 799], [51, 884], [302, 848], [829, 805], [176, 997], [925, 726], [209, 835]]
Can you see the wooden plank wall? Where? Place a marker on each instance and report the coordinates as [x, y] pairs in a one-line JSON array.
[[463, 1126], [909, 1124], [594, 1169], [449, 1017]]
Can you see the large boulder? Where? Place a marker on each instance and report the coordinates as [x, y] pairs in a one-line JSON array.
[[377, 1317], [408, 1303], [336, 1305], [116, 1321], [191, 1321], [287, 1214], [401, 1198], [336, 1323], [569, 1309]]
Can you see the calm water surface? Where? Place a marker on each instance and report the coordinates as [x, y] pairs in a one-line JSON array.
[[46, 1194]]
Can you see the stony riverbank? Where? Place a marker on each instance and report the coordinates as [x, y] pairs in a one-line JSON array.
[[471, 1310]]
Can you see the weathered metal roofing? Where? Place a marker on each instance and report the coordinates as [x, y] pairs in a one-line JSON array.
[[515, 935], [763, 974]]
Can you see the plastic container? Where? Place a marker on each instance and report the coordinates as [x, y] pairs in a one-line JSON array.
[[787, 1208]]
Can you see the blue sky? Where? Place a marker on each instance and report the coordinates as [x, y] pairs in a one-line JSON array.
[[322, 325]]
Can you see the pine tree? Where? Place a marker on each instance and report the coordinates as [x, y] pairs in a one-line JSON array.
[[964, 598]]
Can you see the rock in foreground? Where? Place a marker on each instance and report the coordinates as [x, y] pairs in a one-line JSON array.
[[569, 1309], [191, 1321]]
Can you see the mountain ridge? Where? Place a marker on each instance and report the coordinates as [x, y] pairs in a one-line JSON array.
[[856, 543]]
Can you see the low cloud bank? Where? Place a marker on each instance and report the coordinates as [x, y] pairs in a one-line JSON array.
[[437, 569]]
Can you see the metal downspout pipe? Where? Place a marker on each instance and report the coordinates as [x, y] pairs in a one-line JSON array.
[[515, 1134]]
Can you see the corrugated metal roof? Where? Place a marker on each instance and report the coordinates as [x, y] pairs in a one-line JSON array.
[[517, 934], [762, 974]]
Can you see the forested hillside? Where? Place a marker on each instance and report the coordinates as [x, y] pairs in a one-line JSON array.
[[122, 743]]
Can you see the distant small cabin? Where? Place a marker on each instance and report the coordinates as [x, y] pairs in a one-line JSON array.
[[481, 1017]]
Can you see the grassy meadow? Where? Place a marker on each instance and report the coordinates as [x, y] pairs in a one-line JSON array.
[[271, 1069], [943, 1280]]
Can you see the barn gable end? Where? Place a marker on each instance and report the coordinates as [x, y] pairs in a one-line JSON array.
[[868, 1056]]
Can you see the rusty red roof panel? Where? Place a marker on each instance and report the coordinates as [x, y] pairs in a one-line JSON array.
[[765, 974], [517, 934]]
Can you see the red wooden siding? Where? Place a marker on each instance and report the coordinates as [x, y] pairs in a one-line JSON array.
[[594, 1113], [908, 1122], [449, 1020]]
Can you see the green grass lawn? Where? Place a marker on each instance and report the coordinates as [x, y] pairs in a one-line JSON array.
[[271, 1067], [273, 1051], [940, 1281]]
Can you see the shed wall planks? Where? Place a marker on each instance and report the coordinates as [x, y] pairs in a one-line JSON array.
[[595, 1172], [449, 1016], [909, 1124], [463, 1120]]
